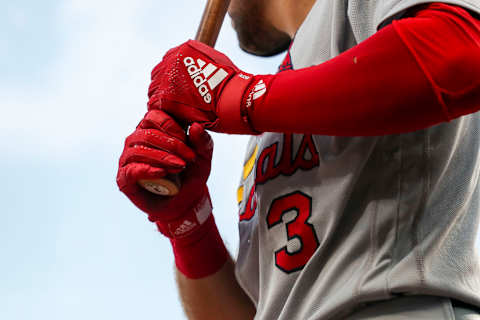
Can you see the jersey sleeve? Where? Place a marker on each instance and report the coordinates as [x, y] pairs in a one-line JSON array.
[[367, 17], [386, 11]]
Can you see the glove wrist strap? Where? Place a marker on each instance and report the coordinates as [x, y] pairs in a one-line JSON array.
[[201, 254], [197, 246], [231, 110], [188, 224]]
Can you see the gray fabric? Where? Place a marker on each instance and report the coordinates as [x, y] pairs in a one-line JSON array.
[[414, 307], [393, 215], [466, 313], [407, 308], [367, 16]]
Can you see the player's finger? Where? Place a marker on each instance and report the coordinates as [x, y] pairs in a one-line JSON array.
[[158, 119], [129, 175], [183, 112], [152, 157], [159, 140], [201, 141]]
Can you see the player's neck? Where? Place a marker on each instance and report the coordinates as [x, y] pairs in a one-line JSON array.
[[287, 16]]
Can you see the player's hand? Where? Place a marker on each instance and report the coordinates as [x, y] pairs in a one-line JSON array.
[[158, 147], [196, 83]]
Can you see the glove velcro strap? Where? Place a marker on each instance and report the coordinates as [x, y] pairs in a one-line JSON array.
[[202, 254], [229, 106]]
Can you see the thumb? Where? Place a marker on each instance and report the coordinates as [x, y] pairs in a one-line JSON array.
[[200, 141]]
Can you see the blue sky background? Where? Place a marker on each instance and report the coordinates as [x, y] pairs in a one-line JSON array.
[[73, 82]]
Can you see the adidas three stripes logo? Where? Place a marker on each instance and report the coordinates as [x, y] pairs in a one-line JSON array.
[[203, 74]]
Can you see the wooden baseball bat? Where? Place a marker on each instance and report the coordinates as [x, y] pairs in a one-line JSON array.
[[207, 32]]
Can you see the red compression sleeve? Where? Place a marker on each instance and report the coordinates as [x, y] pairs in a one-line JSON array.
[[417, 72]]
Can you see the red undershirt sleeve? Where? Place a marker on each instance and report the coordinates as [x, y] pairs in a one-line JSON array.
[[416, 72]]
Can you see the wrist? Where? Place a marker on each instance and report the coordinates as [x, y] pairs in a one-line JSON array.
[[185, 226], [201, 254], [231, 111], [254, 97], [197, 246]]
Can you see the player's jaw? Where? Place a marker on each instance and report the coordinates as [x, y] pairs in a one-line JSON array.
[[255, 34]]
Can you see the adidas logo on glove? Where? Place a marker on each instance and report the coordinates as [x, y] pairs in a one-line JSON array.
[[257, 91], [201, 74], [185, 227]]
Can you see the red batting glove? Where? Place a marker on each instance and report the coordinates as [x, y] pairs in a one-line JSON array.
[[157, 148], [196, 83]]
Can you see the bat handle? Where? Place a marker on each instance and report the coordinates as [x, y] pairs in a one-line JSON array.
[[212, 20], [207, 32]]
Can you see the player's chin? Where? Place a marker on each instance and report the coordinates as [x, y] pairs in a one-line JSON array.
[[264, 51], [262, 40]]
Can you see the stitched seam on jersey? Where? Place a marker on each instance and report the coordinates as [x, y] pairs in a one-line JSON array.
[[419, 256], [371, 252], [427, 183], [436, 90], [397, 217], [427, 187]]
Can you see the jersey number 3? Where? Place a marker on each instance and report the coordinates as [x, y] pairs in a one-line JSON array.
[[300, 233]]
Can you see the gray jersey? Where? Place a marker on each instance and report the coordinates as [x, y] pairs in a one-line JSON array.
[[330, 223]]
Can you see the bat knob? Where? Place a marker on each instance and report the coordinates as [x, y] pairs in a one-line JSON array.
[[164, 187]]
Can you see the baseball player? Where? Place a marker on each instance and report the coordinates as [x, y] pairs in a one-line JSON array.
[[359, 197]]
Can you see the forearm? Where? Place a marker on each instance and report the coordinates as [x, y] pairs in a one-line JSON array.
[[206, 279], [217, 296], [416, 73]]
